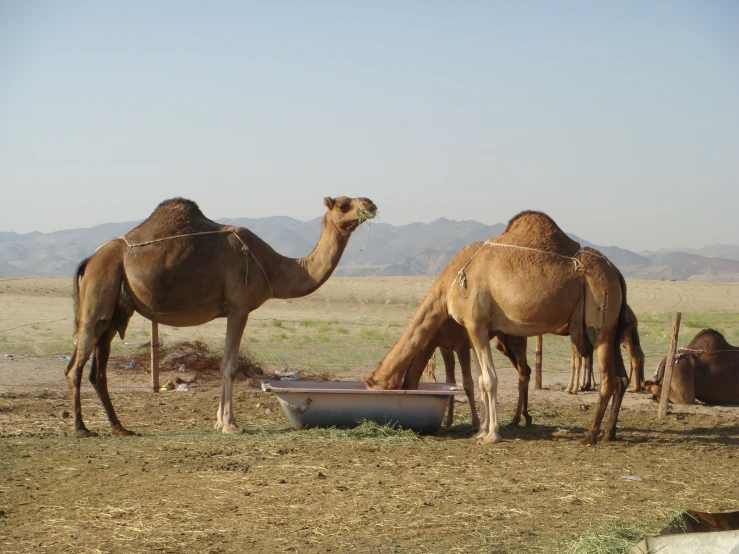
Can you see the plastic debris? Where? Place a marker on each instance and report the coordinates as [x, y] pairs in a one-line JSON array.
[[63, 357], [633, 478], [169, 385], [182, 388], [130, 365], [8, 356], [287, 375]]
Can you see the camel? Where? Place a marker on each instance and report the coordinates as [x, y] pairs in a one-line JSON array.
[[630, 341], [180, 268], [707, 370], [530, 280], [452, 338]]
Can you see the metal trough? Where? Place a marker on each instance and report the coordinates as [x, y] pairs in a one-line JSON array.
[[349, 403]]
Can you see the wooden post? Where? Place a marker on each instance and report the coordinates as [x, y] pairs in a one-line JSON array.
[[669, 363], [537, 379], [154, 356]]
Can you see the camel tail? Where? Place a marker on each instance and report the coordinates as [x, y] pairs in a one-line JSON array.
[[79, 272]]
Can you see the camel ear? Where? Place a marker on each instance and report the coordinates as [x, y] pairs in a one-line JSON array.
[[329, 202], [368, 381]]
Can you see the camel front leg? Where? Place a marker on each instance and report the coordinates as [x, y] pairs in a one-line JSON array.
[[517, 347], [235, 324], [572, 384], [465, 364], [480, 339]]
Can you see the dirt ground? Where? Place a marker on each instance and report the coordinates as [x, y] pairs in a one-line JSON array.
[[179, 486]]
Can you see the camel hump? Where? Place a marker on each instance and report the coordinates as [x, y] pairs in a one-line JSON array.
[[709, 339], [537, 230], [176, 216]]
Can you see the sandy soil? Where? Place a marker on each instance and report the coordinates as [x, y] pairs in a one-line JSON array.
[[181, 487]]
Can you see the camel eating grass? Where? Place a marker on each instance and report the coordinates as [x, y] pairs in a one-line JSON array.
[[530, 280], [452, 338], [180, 268]]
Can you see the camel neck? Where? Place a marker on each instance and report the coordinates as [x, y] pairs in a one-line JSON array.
[[296, 277], [428, 318]]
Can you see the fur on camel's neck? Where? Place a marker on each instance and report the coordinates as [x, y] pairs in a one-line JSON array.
[[296, 277]]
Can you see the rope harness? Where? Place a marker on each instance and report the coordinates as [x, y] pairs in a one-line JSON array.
[[231, 229], [685, 351], [462, 277]]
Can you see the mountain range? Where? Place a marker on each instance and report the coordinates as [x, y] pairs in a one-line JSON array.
[[376, 249]]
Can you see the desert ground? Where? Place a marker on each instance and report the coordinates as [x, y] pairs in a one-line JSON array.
[[179, 486]]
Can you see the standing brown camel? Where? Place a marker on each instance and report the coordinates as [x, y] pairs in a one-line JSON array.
[[707, 370], [530, 280], [180, 268], [452, 338], [630, 341]]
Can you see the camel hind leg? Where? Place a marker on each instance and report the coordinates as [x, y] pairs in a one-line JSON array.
[[621, 382], [96, 288], [99, 380]]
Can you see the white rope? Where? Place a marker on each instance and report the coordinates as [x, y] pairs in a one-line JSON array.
[[232, 229], [684, 351]]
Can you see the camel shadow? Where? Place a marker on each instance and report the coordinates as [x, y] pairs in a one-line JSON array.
[[727, 436]]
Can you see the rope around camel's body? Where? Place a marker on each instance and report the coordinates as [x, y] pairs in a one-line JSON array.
[[462, 277], [231, 229]]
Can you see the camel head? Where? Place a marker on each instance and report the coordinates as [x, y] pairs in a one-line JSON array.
[[348, 213]]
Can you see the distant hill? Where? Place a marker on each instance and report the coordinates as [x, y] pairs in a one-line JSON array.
[[375, 249]]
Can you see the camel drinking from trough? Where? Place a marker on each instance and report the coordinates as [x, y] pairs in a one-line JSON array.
[[180, 268], [530, 280]]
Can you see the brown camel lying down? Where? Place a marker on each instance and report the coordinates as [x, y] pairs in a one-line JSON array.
[[707, 370]]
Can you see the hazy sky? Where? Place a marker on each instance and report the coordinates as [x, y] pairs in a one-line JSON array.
[[620, 120]]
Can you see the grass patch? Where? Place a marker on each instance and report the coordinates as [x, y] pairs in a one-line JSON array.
[[308, 323], [277, 337], [277, 323], [368, 431], [610, 539], [342, 330], [373, 334]]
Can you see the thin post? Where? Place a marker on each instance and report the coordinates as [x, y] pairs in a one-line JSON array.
[[669, 363], [537, 377], [154, 356]]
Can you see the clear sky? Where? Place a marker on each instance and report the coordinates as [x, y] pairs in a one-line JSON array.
[[618, 119]]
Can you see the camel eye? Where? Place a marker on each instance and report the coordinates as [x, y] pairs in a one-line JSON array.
[[344, 206]]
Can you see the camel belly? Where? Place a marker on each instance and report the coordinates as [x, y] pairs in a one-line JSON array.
[[518, 308]]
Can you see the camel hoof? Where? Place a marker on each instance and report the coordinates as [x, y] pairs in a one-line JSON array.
[[231, 428], [489, 440], [514, 422], [528, 419], [218, 426], [85, 433], [591, 439], [123, 432]]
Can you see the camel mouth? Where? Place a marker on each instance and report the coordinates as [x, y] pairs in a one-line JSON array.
[[365, 215]]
